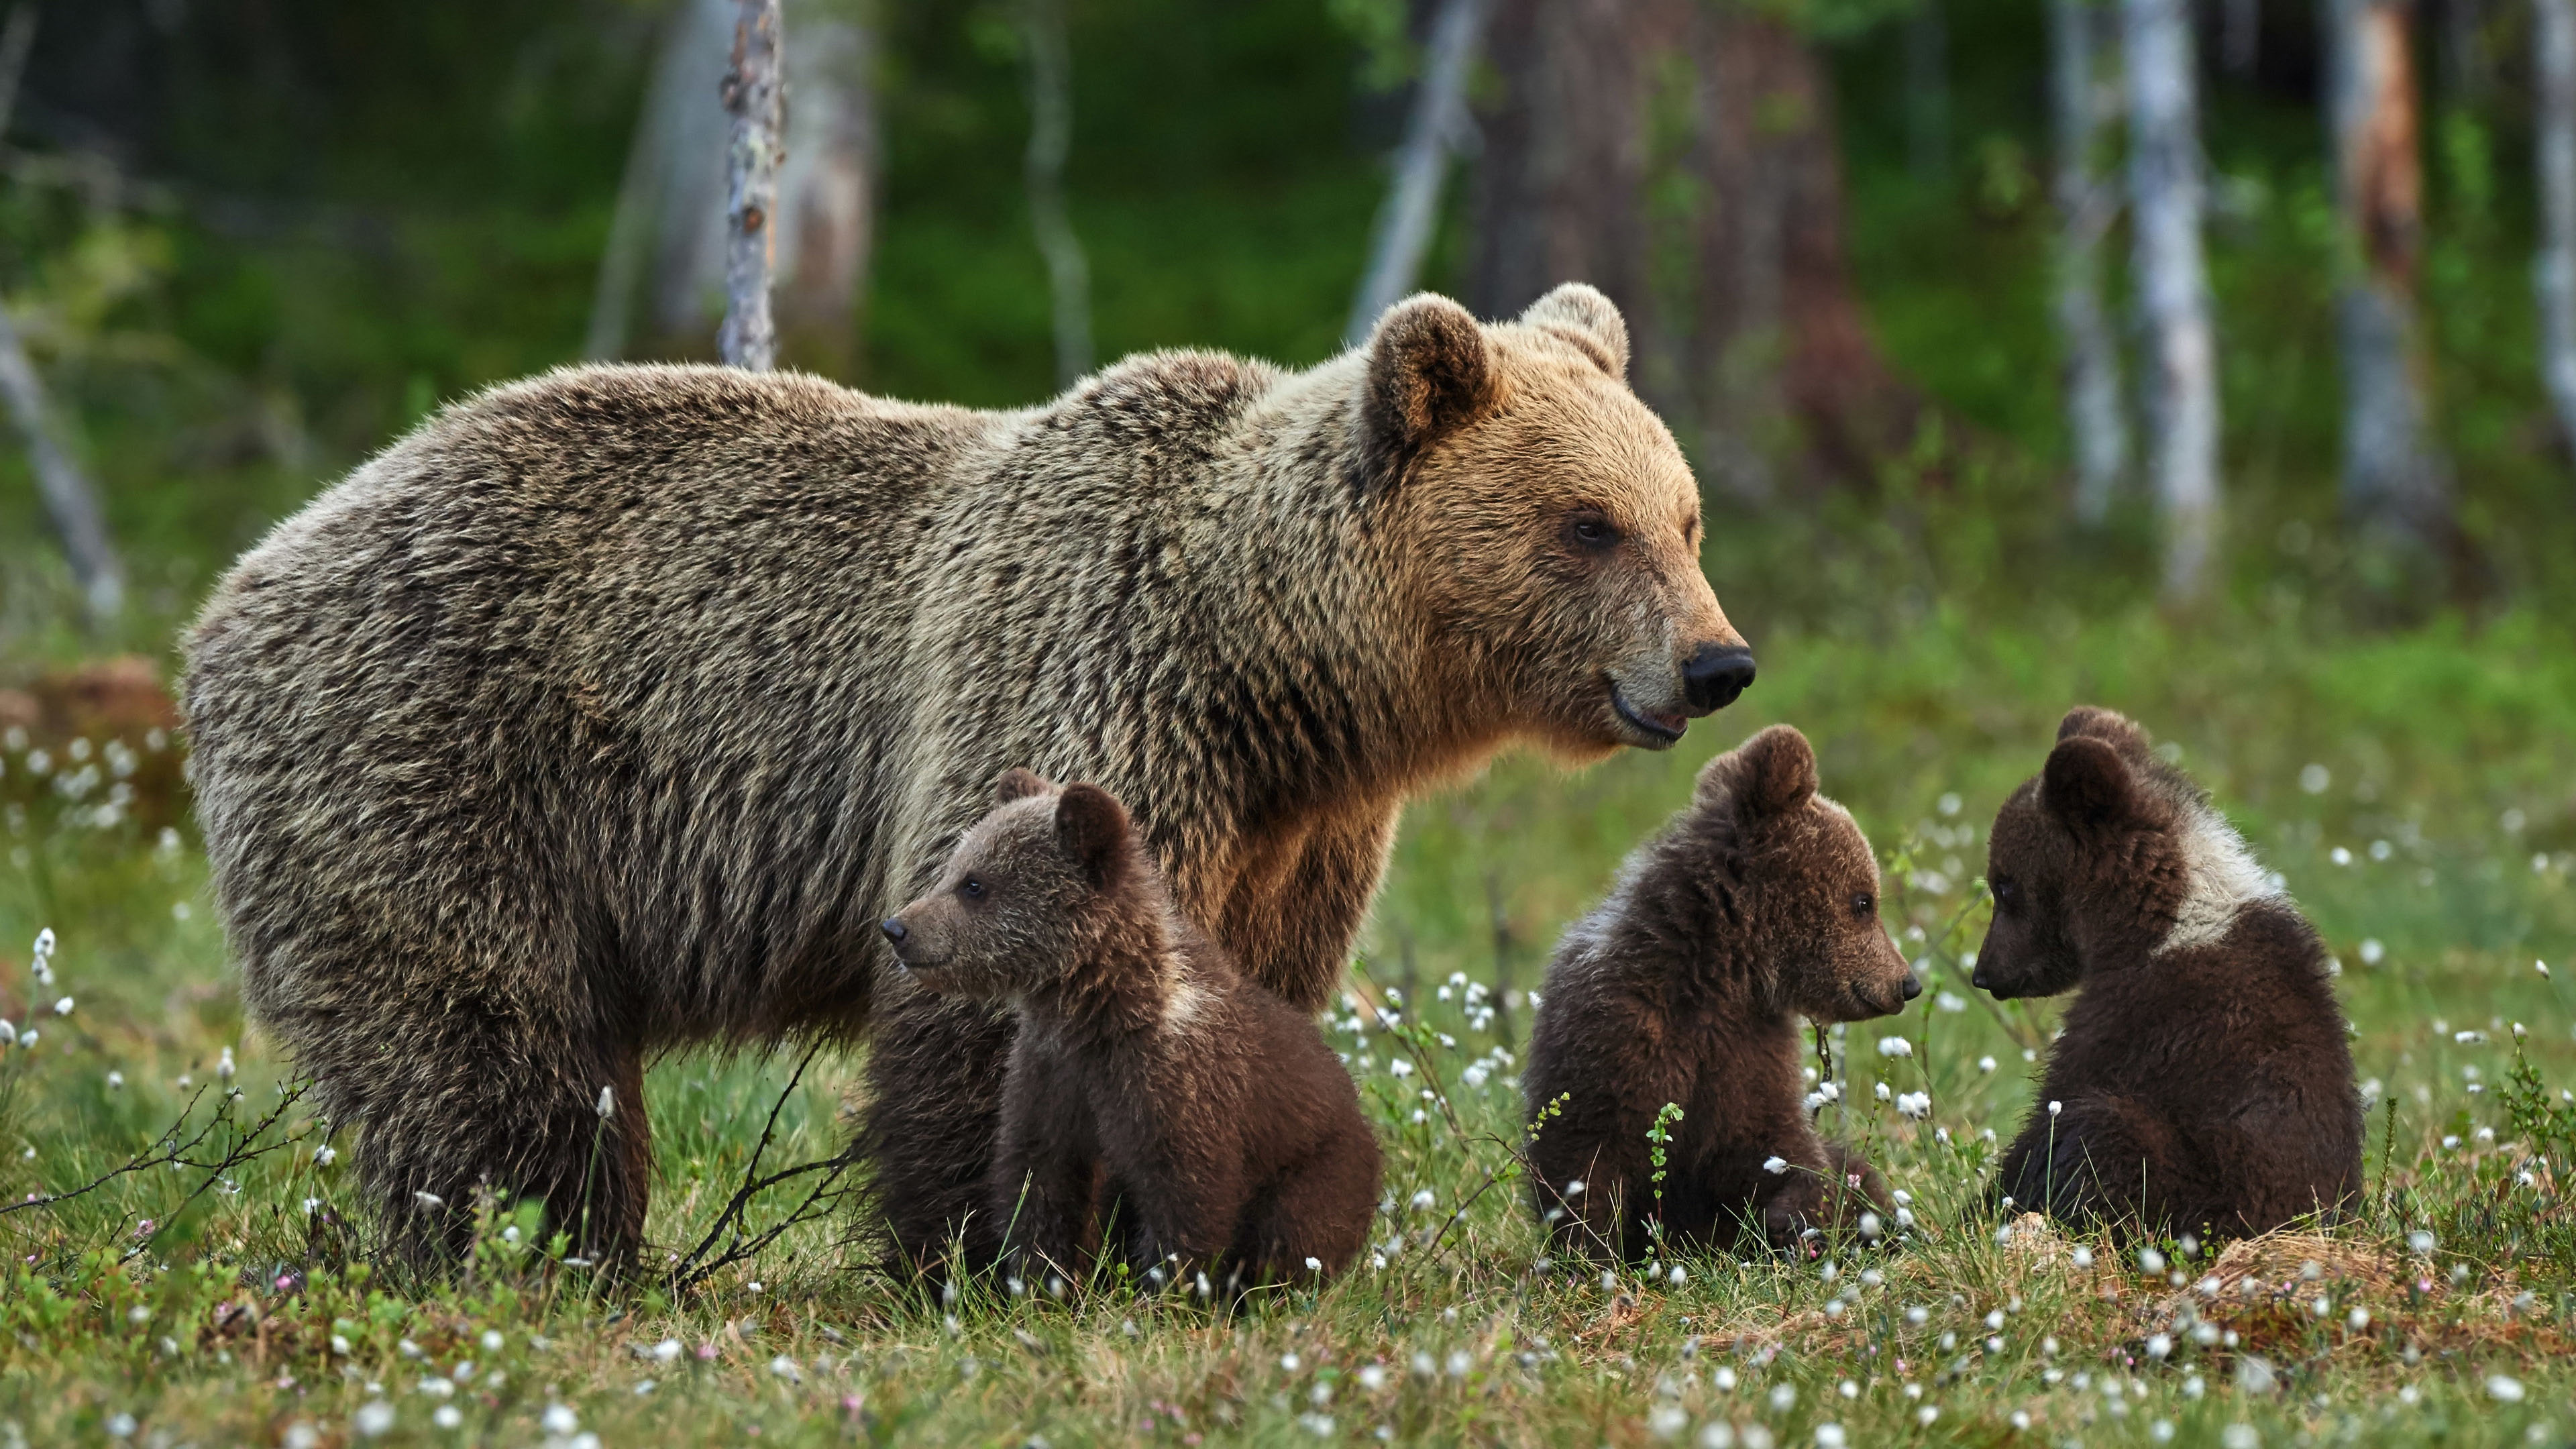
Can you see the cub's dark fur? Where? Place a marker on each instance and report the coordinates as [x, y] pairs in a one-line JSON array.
[[1150, 1081], [1757, 903], [2203, 1082]]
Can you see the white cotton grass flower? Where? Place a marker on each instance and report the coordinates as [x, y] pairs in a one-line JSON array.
[[428, 1200], [559, 1419], [1986, 1065], [325, 1156], [2372, 952], [42, 967], [1916, 1105], [1424, 1201], [1895, 1046], [63, 1006], [225, 1066], [1884, 1094], [373, 1418], [2056, 1107], [8, 1033], [1775, 1165], [2504, 1389], [607, 1107]]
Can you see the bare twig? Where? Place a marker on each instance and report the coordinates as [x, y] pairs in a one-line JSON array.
[[248, 1144], [744, 1244]]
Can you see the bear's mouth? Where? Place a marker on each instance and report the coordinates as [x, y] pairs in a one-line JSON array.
[[1659, 730]]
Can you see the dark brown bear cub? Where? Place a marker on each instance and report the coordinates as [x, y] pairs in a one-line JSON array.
[[2202, 1083], [1152, 1084], [1757, 903]]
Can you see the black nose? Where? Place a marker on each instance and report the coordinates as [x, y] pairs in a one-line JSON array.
[[894, 930], [1913, 986], [1716, 674]]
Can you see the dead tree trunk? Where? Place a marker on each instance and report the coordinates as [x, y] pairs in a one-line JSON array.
[[755, 96], [2096, 419], [2396, 485], [827, 188], [1050, 60], [2181, 352], [2554, 273], [1681, 157], [1439, 122]]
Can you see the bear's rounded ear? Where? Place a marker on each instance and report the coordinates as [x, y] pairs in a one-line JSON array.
[[1018, 784], [1774, 771], [1091, 827], [1430, 371], [2088, 784], [2091, 721], [1581, 315]]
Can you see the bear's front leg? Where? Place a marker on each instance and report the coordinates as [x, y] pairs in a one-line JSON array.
[[1044, 1189], [935, 1069], [2086, 1164]]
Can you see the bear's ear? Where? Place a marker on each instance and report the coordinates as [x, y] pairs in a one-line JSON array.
[[1582, 316], [2091, 721], [1018, 784], [2087, 784], [1774, 771], [1430, 371], [1091, 827]]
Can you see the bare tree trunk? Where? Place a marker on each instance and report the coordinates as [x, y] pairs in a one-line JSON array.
[[70, 501], [2554, 273], [1438, 125], [2096, 420], [756, 97], [669, 241], [2395, 483], [1050, 58], [1681, 157], [2181, 348]]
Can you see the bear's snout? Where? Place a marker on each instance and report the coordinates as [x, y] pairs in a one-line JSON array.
[[1715, 675], [894, 930], [1913, 986]]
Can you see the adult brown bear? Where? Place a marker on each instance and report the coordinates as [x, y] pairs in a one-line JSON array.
[[609, 711]]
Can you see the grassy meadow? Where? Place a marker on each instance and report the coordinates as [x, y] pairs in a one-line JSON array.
[[2413, 788]]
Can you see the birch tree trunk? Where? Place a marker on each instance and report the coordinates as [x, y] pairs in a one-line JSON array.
[[755, 96], [1438, 124], [2396, 485], [2181, 354], [1050, 58], [2554, 271], [2096, 420]]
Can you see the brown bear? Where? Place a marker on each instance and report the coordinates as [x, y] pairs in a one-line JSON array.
[[2201, 1083], [609, 712], [1151, 1085], [1756, 904]]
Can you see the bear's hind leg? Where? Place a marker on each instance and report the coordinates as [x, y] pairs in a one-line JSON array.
[[1319, 1212]]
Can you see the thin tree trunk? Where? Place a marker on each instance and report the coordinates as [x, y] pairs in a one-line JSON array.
[[756, 98], [70, 501], [1050, 58], [1681, 156], [2181, 349], [1438, 125], [2096, 420], [2395, 483], [2554, 273], [827, 188]]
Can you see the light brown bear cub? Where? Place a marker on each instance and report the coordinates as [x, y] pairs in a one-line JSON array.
[[1151, 1083], [1756, 904], [2202, 1083]]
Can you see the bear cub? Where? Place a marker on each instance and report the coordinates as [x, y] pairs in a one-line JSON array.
[[1756, 904], [2202, 1083], [1152, 1084]]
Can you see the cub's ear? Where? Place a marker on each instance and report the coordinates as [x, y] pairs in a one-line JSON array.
[[1581, 315], [1772, 772], [1091, 827], [2091, 721], [1430, 371], [2088, 784], [1018, 784]]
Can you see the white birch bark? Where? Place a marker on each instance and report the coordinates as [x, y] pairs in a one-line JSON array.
[[2096, 419], [2395, 483], [1050, 61], [2554, 272], [755, 96], [2181, 353], [1438, 126]]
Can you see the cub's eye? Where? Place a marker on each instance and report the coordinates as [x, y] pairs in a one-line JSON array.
[[971, 888], [2007, 891], [1864, 904], [1591, 530]]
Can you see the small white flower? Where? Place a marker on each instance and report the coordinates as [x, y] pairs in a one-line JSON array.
[[2420, 1242], [1424, 1201], [116, 1081], [8, 1033], [559, 1419], [666, 1351], [373, 1418], [2240, 1436], [1400, 1067], [1775, 1165], [1677, 1277], [1986, 1064], [1831, 1436], [1574, 1187], [446, 1416], [325, 1156], [429, 1200], [2503, 1389], [785, 1368], [2339, 856], [1895, 1046], [2357, 1320], [2372, 951], [492, 1340], [607, 1103], [63, 1006], [2159, 1346], [224, 1067], [1884, 1094], [1290, 1363], [2056, 1107], [2082, 1257], [2150, 1260], [1314, 1265], [1917, 1105]]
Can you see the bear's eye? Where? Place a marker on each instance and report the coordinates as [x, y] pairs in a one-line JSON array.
[[2007, 891], [1591, 530], [971, 888], [1864, 904]]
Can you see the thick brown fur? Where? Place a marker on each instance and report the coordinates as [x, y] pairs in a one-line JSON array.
[[608, 712], [1151, 1085], [2203, 1080], [1756, 904]]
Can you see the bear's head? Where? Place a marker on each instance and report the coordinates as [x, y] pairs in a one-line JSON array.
[[2109, 853], [1547, 527], [1808, 882], [1029, 889]]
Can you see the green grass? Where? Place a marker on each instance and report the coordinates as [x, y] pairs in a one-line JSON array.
[[2453, 745]]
